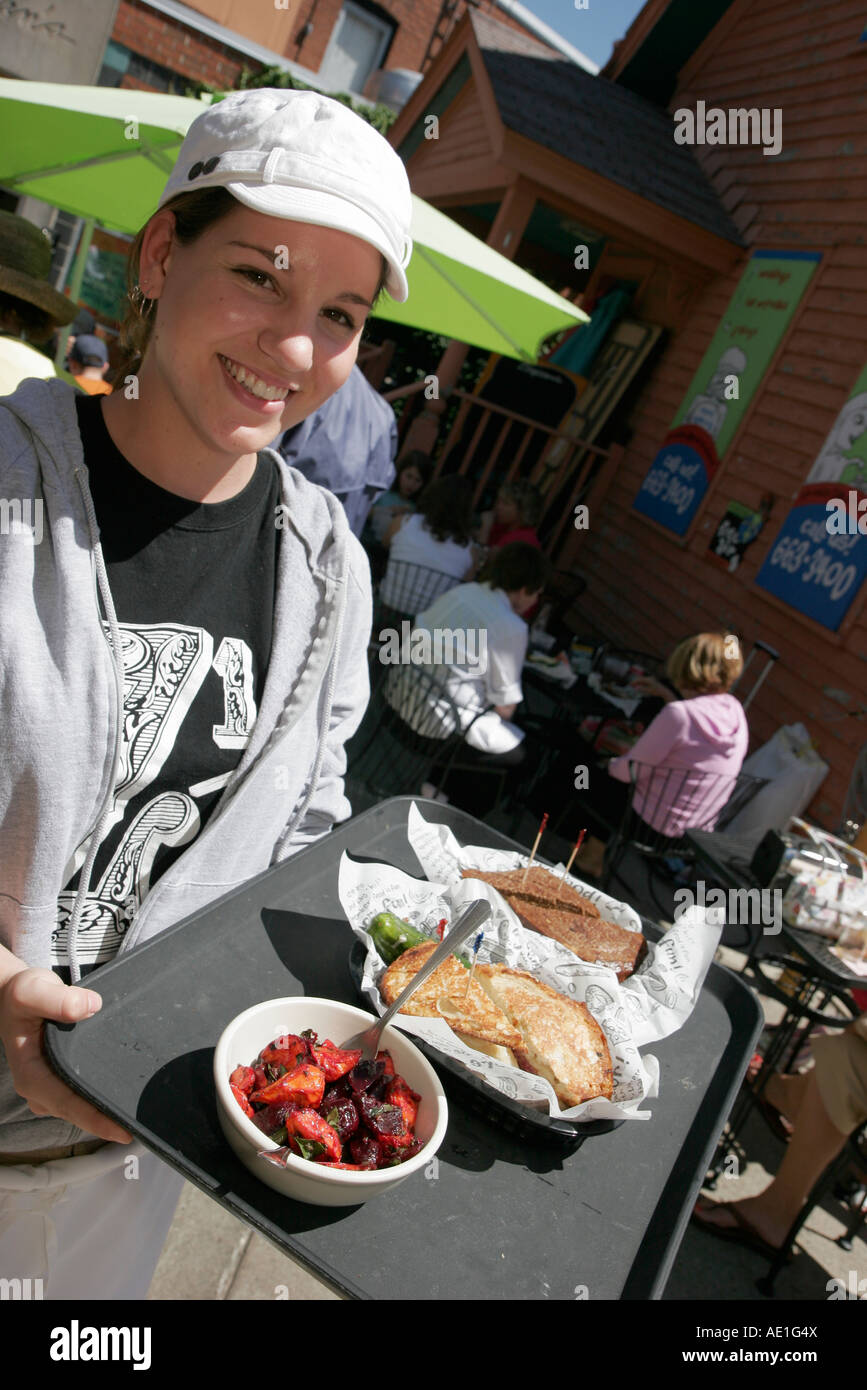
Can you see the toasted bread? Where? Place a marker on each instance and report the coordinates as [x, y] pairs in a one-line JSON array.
[[561, 1039], [469, 1011], [591, 938], [503, 1055], [539, 886]]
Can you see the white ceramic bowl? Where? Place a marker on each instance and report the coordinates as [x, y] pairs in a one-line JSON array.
[[244, 1039]]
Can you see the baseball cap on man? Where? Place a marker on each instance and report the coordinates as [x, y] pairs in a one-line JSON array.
[[89, 350], [306, 158]]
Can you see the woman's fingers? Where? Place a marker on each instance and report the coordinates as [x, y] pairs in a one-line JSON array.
[[34, 995], [46, 1094], [26, 1001]]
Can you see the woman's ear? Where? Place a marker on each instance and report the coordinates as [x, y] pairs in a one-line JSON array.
[[156, 253]]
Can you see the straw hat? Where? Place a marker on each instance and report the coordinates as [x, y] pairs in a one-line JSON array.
[[25, 263]]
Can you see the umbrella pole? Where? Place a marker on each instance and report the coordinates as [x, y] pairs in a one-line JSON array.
[[75, 279]]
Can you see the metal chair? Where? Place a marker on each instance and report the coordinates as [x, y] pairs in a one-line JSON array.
[[408, 589], [662, 788], [401, 737]]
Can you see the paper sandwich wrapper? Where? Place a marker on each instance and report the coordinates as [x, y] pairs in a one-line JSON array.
[[650, 1005]]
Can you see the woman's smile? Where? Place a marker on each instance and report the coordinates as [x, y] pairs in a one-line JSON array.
[[262, 393]]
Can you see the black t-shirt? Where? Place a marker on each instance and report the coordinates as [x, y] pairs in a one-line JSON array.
[[193, 586]]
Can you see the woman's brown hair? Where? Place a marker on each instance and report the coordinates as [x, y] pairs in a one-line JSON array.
[[447, 507], [194, 213], [708, 664]]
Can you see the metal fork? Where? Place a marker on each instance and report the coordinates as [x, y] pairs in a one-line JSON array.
[[470, 920]]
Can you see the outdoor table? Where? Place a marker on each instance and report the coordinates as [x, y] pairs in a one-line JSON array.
[[499, 1216]]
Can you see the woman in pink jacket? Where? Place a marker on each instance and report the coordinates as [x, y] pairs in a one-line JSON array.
[[689, 756]]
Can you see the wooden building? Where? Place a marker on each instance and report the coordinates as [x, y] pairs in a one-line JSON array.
[[750, 228]]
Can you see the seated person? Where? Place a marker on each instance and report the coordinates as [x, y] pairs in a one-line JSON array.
[[705, 732], [484, 679], [413, 472], [517, 511], [824, 1105], [436, 537]]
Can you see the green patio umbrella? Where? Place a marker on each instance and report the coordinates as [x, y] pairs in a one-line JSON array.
[[105, 153]]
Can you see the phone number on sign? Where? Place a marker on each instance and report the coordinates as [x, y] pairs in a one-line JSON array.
[[816, 566]]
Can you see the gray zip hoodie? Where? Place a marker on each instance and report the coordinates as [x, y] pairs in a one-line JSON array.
[[61, 703]]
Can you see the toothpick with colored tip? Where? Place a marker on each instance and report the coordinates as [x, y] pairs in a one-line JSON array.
[[578, 843], [476, 944], [535, 847]]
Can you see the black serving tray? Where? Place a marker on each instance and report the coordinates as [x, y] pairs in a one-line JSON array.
[[497, 1217]]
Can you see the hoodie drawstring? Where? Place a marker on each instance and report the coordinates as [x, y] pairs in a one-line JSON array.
[[117, 666], [329, 701]]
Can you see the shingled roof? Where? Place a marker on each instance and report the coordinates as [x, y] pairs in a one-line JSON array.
[[597, 124]]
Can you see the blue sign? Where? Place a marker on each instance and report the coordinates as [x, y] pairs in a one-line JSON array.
[[813, 570], [676, 482]]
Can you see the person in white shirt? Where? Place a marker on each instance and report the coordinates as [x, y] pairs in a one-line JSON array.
[[478, 642], [436, 537]]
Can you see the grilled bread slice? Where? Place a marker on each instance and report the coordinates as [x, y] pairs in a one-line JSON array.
[[540, 887], [561, 1039], [591, 938], [469, 1011]]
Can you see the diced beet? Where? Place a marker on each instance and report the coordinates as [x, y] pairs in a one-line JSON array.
[[342, 1115], [398, 1093], [304, 1086], [242, 1101], [312, 1137], [244, 1078], [381, 1118], [334, 1061], [338, 1090], [364, 1074], [287, 1050], [273, 1117], [365, 1151], [401, 1155]]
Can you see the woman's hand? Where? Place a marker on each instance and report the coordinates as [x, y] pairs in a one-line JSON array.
[[27, 999], [648, 685]]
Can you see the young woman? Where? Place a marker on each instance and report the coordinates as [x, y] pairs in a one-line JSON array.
[[689, 755], [184, 656], [413, 471], [437, 537]]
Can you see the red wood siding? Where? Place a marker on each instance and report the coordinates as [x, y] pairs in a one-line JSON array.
[[647, 590]]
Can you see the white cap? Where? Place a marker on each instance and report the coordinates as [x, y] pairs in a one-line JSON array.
[[307, 158]]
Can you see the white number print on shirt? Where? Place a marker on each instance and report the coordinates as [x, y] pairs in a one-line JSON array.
[[234, 662], [164, 667]]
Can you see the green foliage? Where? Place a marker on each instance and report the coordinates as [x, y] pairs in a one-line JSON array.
[[379, 116]]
